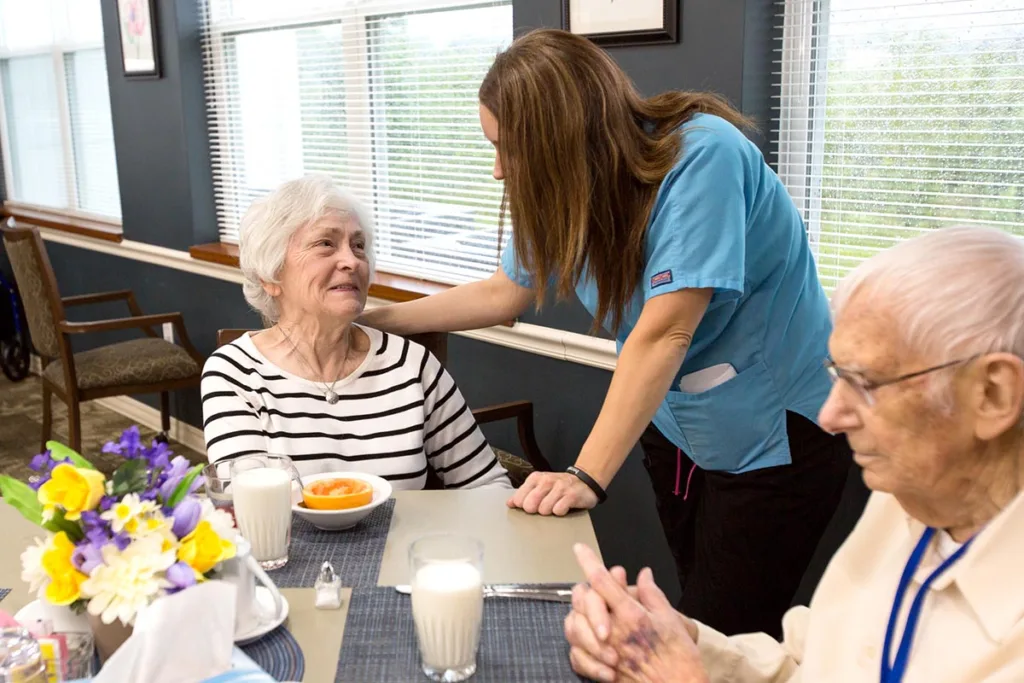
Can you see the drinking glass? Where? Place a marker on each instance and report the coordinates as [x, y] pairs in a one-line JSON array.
[[217, 476], [447, 603], [261, 490]]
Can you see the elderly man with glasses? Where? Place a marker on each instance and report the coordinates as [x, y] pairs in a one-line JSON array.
[[929, 389]]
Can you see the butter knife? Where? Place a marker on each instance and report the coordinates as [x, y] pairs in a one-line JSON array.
[[548, 592]]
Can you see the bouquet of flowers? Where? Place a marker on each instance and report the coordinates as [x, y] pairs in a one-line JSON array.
[[116, 545]]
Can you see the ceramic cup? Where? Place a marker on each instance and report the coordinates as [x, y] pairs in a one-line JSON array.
[[244, 571]]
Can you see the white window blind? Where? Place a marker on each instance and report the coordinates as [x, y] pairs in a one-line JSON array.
[[56, 136], [381, 95], [900, 117]]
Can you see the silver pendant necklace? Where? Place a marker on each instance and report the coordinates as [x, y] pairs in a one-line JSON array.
[[330, 395]]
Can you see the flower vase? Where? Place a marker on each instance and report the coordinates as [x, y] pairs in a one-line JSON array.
[[108, 637]]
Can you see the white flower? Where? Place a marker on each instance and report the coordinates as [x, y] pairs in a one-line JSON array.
[[127, 515], [221, 522], [128, 580], [32, 571]]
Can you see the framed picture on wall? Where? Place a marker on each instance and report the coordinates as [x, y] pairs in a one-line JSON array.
[[623, 22], [136, 22]]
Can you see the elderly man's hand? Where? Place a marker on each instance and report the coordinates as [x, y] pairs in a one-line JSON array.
[[552, 493], [630, 634]]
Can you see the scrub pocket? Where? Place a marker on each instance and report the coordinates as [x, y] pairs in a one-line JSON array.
[[736, 426]]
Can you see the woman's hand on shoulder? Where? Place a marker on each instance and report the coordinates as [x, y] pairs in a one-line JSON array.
[[553, 493]]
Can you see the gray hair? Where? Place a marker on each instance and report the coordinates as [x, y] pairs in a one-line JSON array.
[[954, 292], [270, 222]]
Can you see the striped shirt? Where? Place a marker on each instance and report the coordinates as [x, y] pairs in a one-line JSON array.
[[400, 413]]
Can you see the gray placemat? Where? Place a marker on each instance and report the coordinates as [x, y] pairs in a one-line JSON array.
[[521, 641], [4, 592], [355, 553]]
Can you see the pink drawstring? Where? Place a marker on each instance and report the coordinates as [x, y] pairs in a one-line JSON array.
[[679, 474]]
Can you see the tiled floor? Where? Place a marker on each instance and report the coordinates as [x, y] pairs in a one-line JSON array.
[[21, 413]]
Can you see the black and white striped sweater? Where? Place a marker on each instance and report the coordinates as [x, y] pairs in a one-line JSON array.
[[399, 413]]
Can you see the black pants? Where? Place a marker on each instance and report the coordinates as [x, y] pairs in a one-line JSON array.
[[742, 542]]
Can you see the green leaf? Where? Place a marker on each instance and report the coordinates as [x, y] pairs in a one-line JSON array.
[[61, 452], [59, 523], [131, 477], [181, 490], [22, 498]]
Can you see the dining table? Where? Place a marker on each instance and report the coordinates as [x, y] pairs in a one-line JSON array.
[[372, 636]]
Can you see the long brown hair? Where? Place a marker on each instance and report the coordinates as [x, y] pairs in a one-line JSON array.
[[583, 156]]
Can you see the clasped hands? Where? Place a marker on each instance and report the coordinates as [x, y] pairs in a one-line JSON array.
[[618, 632]]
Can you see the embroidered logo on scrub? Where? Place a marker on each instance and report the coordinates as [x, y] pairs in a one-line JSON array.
[[662, 278]]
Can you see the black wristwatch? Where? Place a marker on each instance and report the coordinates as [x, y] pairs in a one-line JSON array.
[[601, 494]]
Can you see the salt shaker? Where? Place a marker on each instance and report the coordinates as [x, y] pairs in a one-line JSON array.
[[328, 588]]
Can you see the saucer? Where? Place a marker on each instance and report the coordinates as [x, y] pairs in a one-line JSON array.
[[266, 603]]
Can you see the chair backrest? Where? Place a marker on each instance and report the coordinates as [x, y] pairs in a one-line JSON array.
[[435, 342], [38, 288]]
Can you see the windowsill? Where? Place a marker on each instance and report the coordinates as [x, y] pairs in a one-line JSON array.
[[386, 286], [109, 231]]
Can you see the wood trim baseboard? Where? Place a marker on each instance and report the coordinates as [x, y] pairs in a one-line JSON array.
[[108, 231]]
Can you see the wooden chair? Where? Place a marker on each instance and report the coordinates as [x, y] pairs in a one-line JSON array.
[[518, 467], [138, 366]]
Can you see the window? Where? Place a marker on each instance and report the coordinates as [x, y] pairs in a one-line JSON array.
[[381, 95], [900, 117], [55, 127]]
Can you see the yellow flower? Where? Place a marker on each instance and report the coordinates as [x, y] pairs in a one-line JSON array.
[[65, 581], [73, 488], [203, 549], [129, 515]]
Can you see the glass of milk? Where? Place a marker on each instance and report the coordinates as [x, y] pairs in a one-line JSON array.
[[447, 603], [261, 490]]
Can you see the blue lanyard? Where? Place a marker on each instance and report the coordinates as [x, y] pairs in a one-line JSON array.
[[894, 673]]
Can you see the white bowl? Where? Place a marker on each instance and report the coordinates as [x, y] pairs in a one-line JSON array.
[[336, 520]]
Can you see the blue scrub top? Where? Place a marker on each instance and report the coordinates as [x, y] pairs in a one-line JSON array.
[[723, 220]]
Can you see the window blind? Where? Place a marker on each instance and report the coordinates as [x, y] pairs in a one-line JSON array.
[[55, 125], [896, 118], [379, 94]]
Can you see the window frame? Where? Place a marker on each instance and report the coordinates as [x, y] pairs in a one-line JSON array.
[[94, 224], [356, 23]]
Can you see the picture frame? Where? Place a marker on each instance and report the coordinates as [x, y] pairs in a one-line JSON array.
[[623, 22], [137, 32]]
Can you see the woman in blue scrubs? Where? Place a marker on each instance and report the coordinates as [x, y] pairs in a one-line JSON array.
[[667, 223]]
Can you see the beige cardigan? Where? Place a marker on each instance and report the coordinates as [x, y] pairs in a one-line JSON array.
[[971, 626]]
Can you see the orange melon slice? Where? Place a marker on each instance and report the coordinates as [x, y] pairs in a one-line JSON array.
[[337, 494]]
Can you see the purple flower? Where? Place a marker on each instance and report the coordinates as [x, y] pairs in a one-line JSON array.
[[42, 462], [128, 446], [107, 502], [186, 516], [122, 540], [181, 576], [86, 557], [158, 455], [175, 474]]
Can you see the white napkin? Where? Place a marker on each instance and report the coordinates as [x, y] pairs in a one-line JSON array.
[[182, 638]]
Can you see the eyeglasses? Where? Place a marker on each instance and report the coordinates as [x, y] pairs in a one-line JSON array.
[[865, 387]]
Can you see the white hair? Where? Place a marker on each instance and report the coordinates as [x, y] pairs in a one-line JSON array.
[[270, 222], [954, 293]]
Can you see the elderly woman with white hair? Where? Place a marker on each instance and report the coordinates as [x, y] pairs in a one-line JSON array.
[[317, 387], [929, 587]]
